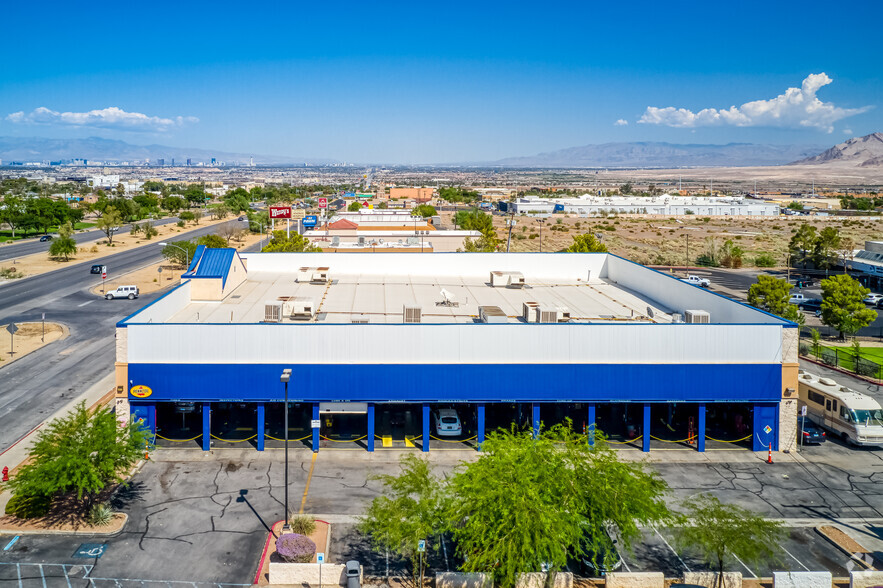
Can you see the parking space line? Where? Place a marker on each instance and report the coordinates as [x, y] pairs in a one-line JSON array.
[[445, 552], [42, 575], [387, 564], [795, 559], [66, 578], [303, 500], [18, 569], [672, 549], [753, 575]]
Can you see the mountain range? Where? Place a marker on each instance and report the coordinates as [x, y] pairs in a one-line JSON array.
[[97, 148], [864, 151]]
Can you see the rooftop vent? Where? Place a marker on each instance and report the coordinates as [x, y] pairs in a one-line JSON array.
[[273, 312], [516, 280], [529, 311], [359, 319], [499, 279], [492, 314], [335, 241], [320, 276], [700, 317], [411, 313], [547, 314]]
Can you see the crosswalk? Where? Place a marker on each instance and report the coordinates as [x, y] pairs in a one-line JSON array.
[[49, 575]]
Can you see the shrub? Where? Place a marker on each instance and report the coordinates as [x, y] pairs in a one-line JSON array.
[[302, 524], [180, 223], [829, 357], [28, 507], [10, 273], [295, 548], [764, 260], [864, 367], [804, 349], [100, 515]]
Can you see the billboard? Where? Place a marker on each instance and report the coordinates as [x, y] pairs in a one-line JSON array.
[[323, 203], [311, 220], [280, 212], [349, 194]]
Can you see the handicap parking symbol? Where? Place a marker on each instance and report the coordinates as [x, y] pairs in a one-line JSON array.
[[90, 550]]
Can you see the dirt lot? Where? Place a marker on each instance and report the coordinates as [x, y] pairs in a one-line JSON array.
[[27, 339], [664, 240], [40, 263]]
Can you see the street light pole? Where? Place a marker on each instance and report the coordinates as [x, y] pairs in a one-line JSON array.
[[186, 253], [286, 375]]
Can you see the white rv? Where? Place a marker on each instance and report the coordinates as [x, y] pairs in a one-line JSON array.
[[857, 418]]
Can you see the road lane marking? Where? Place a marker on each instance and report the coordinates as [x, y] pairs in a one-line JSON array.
[[11, 543], [85, 303], [303, 500], [671, 548]]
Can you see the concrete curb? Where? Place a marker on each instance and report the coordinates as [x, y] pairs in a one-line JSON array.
[[858, 558], [70, 532]]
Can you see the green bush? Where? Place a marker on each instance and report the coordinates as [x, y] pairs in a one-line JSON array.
[[804, 349], [829, 357], [28, 507], [864, 367], [764, 260], [302, 524], [100, 515], [180, 223]]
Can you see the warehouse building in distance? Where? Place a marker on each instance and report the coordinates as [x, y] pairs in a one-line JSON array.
[[381, 346], [662, 205]]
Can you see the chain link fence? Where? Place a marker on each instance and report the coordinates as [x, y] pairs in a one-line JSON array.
[[843, 358]]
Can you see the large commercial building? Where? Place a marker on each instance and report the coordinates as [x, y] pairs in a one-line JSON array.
[[661, 205], [377, 344]]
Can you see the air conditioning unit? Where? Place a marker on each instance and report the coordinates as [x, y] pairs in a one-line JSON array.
[[492, 314], [563, 314], [499, 279], [299, 308], [547, 314], [529, 311], [273, 312], [411, 313], [305, 274], [361, 241], [335, 241], [320, 276], [516, 280], [697, 317], [359, 319]]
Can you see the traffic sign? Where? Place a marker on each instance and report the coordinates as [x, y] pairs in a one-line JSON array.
[[311, 220], [323, 203], [103, 274], [803, 410], [12, 328], [320, 558], [315, 423], [421, 546]]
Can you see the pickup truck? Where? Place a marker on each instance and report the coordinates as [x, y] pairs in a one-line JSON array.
[[797, 299], [697, 281]]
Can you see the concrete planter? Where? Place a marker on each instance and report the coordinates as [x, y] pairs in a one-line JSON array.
[[538, 580], [463, 580], [300, 573], [709, 579], [636, 580], [802, 580]]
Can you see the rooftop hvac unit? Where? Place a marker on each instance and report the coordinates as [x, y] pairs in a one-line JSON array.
[[411, 313], [492, 314], [335, 241], [547, 314], [563, 314], [305, 274], [516, 280], [499, 279], [413, 240], [529, 311], [700, 317], [677, 318], [359, 319], [299, 308], [320, 276], [272, 312]]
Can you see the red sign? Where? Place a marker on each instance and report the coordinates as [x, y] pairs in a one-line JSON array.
[[365, 203], [280, 212], [323, 203], [103, 275]]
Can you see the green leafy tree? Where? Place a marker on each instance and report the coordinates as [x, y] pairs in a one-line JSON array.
[[527, 502], [219, 211], [237, 200], [719, 533], [212, 241], [64, 247], [425, 210], [770, 294], [149, 230], [587, 243], [12, 212], [79, 455], [109, 222], [187, 216], [626, 188], [826, 247], [803, 242], [842, 304], [173, 203], [281, 243], [816, 337], [410, 510], [173, 252], [731, 255], [795, 205], [476, 220], [258, 221], [354, 207]]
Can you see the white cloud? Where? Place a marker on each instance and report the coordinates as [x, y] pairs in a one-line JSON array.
[[847, 131], [621, 122], [106, 118], [797, 107]]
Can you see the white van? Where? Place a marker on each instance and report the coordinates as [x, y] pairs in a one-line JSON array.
[[857, 418], [130, 292]]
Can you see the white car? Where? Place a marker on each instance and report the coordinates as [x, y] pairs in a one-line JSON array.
[[447, 423], [797, 299], [130, 292], [873, 299], [697, 281]]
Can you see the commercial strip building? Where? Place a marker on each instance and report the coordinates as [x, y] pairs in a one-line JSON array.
[[377, 344], [662, 205]]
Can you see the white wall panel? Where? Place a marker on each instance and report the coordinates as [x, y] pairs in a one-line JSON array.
[[166, 306], [454, 343]]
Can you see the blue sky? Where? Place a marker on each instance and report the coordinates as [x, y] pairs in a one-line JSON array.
[[440, 82]]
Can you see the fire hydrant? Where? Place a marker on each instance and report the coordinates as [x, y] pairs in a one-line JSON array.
[[5, 473]]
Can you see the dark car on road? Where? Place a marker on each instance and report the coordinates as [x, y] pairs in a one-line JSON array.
[[96, 269], [46, 238], [810, 304], [811, 432]]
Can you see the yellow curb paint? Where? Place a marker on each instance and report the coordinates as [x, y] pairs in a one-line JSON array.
[[303, 501]]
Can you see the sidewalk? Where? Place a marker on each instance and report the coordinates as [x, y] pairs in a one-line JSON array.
[[16, 453]]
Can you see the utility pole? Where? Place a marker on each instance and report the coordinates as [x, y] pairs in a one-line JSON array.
[[511, 223], [688, 248]]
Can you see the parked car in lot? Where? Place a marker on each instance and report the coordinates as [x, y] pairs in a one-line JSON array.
[[447, 423], [697, 281], [130, 292], [241, 218], [602, 560], [46, 238], [812, 433], [873, 299], [797, 298]]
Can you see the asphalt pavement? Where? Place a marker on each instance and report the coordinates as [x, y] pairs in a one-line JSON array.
[[16, 249], [38, 384]]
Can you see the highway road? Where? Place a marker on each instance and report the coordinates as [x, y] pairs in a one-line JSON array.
[[16, 249], [37, 385]]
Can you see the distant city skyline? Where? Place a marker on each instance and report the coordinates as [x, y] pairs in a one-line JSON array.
[[405, 83]]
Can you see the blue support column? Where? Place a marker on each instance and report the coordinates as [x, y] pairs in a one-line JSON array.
[[260, 426], [590, 427], [425, 427], [646, 444], [316, 429], [535, 419], [700, 429], [479, 418], [206, 426], [370, 438]]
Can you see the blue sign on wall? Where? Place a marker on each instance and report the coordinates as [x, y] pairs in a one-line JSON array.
[[559, 208], [349, 194], [311, 220]]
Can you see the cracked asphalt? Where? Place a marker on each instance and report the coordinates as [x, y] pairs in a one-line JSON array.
[[204, 518]]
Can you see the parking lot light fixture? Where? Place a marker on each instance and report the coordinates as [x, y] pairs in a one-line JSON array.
[[286, 376], [186, 253]]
